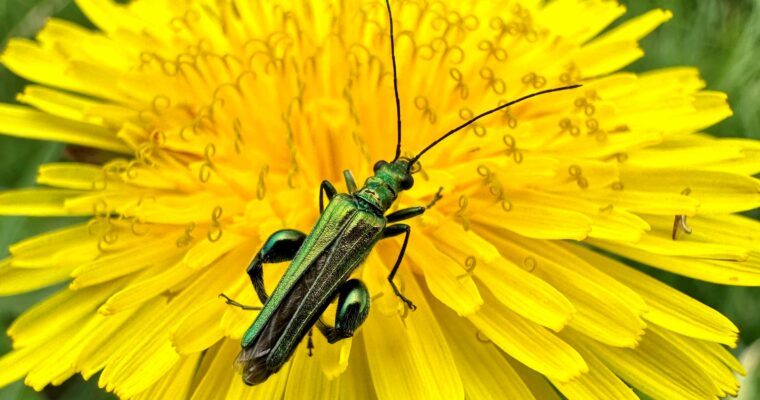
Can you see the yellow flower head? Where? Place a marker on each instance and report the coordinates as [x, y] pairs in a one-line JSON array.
[[218, 120]]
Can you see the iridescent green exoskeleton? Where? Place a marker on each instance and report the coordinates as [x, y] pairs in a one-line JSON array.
[[322, 261]]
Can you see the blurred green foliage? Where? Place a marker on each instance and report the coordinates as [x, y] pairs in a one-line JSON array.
[[720, 37]]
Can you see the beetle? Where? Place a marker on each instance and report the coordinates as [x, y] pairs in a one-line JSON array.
[[322, 261]]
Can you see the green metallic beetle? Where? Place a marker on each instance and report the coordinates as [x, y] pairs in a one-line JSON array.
[[322, 262]]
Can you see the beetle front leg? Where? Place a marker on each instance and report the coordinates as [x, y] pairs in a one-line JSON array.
[[281, 246], [391, 231], [353, 308], [326, 188]]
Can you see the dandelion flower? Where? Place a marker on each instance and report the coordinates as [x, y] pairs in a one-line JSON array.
[[217, 120]]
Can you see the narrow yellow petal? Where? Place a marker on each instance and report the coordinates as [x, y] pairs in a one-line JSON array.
[[717, 192], [422, 364], [538, 384], [656, 367], [699, 353], [448, 282], [28, 123], [57, 103], [606, 310], [176, 383], [537, 222], [61, 358], [636, 28], [598, 383], [62, 309], [39, 202], [200, 329], [527, 342], [141, 290], [354, 383], [306, 379], [526, 294], [738, 273], [595, 60], [149, 349], [484, 371], [70, 175], [17, 363], [668, 307], [19, 280], [206, 251], [122, 263], [218, 378]]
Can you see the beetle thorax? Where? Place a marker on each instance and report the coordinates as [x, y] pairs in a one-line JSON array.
[[382, 189]]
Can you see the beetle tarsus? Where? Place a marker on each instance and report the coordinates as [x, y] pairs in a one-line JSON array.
[[310, 343], [437, 197], [231, 302], [405, 300]]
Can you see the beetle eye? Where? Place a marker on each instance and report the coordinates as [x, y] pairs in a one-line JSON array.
[[378, 165], [407, 182]]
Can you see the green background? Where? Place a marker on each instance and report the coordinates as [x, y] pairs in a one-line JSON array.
[[720, 37]]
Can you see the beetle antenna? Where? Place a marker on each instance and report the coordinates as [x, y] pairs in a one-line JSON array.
[[491, 111], [395, 83]]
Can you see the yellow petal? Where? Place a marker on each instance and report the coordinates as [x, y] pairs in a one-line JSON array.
[[527, 342], [200, 329], [409, 354], [176, 383], [28, 123], [636, 28], [605, 309], [656, 367], [738, 273], [220, 374], [448, 282], [483, 369], [668, 307], [717, 192], [62, 309], [306, 379], [598, 383], [39, 202], [19, 280]]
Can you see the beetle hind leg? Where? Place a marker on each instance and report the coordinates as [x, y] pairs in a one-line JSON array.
[[352, 311], [281, 246]]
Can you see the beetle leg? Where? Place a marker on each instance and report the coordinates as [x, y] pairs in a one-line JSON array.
[[437, 197], [326, 188], [310, 343], [281, 246], [236, 304], [350, 181], [353, 308], [391, 231], [404, 213]]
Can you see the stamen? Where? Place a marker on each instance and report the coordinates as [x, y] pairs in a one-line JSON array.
[[512, 150], [214, 233], [495, 83], [567, 126], [463, 202], [481, 337], [469, 267], [576, 172], [422, 104], [261, 187], [530, 264], [461, 87], [535, 80], [492, 51], [187, 237]]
